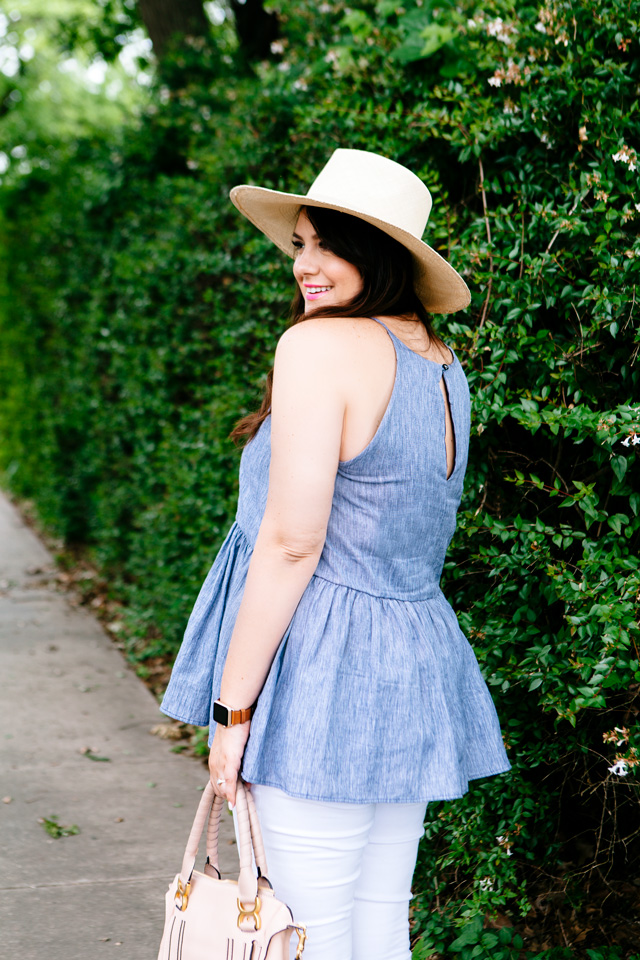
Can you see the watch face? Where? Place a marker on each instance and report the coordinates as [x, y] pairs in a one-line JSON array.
[[221, 714]]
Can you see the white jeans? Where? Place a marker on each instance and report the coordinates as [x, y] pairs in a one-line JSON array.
[[345, 870]]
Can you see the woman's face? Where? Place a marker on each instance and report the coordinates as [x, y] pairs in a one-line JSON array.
[[323, 278]]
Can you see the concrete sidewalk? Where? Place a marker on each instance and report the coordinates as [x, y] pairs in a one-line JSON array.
[[66, 687]]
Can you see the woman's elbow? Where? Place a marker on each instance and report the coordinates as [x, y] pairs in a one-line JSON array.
[[295, 547], [297, 551]]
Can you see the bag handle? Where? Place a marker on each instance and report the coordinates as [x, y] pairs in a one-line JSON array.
[[208, 812], [212, 867], [256, 838], [213, 831], [247, 880]]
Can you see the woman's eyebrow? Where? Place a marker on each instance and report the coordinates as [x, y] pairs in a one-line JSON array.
[[296, 236]]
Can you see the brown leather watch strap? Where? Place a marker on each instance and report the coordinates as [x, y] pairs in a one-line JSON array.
[[240, 716], [229, 717]]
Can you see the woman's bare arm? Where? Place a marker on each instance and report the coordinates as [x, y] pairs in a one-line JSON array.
[[307, 414]]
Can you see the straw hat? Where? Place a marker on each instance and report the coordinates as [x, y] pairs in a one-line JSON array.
[[375, 189]]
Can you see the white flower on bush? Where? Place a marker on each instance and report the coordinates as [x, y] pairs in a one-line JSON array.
[[504, 32], [506, 843], [637, 206], [625, 155], [486, 883], [632, 438], [277, 47], [620, 768], [540, 27], [511, 74], [618, 735], [624, 735]]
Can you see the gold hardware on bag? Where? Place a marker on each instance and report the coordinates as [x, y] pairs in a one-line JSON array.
[[182, 895], [254, 913], [301, 930]]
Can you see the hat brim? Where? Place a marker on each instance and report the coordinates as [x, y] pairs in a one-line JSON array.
[[440, 288]]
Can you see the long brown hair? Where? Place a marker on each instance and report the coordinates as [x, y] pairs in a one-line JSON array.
[[386, 269]]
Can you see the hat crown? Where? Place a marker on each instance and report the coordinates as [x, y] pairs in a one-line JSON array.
[[375, 186]]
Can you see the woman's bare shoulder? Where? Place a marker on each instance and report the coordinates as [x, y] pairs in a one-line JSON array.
[[332, 356], [331, 333]]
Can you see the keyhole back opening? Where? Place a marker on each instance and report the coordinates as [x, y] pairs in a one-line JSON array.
[[449, 430]]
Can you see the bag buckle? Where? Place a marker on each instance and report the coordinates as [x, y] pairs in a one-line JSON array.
[[253, 913], [301, 930], [182, 895]]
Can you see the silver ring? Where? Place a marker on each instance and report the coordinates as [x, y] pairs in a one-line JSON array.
[[220, 782]]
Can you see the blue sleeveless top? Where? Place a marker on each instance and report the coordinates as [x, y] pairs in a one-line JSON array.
[[374, 694]]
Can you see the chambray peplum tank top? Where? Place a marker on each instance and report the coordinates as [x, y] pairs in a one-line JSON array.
[[375, 694]]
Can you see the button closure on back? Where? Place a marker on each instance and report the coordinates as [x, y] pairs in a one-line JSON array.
[[445, 366]]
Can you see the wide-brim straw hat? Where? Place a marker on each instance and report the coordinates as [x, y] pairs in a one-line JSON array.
[[373, 188]]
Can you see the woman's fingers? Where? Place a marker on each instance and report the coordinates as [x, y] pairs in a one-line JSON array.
[[226, 790], [223, 778], [231, 792]]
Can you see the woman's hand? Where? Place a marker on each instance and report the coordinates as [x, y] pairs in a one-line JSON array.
[[225, 758]]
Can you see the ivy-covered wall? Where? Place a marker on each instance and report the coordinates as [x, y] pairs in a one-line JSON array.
[[139, 314]]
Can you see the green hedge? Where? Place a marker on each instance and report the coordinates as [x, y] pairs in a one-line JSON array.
[[141, 315]]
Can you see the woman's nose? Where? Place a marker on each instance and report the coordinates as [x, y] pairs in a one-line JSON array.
[[306, 262]]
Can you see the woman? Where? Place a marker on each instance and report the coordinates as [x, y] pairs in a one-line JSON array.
[[321, 649]]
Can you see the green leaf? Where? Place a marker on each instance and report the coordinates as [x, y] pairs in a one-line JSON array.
[[415, 47], [615, 523], [489, 940], [435, 36], [57, 830], [471, 934], [619, 466]]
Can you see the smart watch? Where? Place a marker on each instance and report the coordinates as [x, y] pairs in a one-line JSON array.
[[228, 717]]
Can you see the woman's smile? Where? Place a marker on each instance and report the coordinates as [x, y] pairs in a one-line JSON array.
[[312, 291]]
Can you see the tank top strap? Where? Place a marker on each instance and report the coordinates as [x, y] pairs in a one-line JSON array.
[[381, 324], [394, 339], [435, 364]]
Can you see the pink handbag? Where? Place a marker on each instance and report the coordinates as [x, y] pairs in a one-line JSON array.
[[208, 918]]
